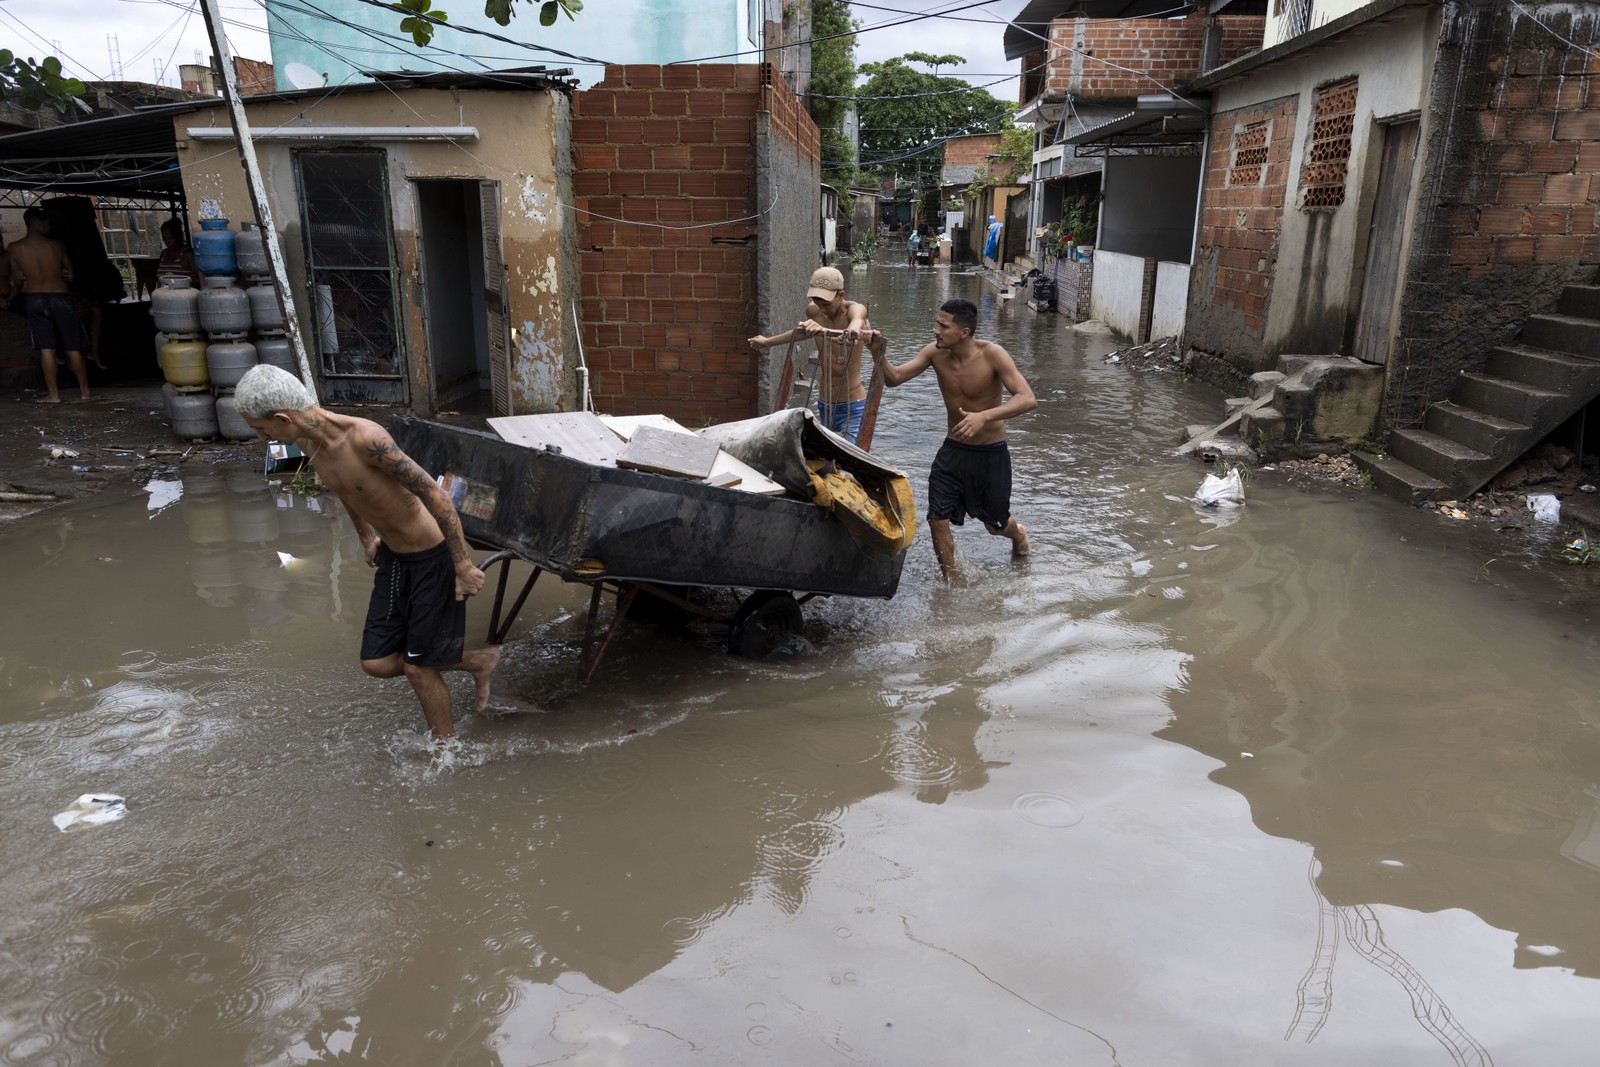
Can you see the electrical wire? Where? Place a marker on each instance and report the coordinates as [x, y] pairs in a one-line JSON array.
[[1550, 31], [824, 37]]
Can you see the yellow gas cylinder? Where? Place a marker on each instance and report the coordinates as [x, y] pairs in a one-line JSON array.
[[183, 362]]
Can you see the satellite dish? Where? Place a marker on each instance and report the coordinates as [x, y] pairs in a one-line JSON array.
[[303, 77]]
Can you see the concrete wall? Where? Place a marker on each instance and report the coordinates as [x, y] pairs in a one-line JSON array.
[[1171, 301], [1149, 206], [615, 32], [1271, 276], [1121, 293], [697, 195], [518, 147]]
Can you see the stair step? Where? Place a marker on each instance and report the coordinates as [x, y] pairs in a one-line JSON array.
[[1582, 301], [1397, 478], [1563, 333], [1502, 397], [1435, 455], [1543, 367], [1476, 429]]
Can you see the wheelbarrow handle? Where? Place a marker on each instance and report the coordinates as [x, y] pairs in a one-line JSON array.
[[492, 559]]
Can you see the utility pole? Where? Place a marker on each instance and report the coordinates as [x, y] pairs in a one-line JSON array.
[[258, 190]]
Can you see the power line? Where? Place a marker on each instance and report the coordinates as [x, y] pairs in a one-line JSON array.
[[825, 37]]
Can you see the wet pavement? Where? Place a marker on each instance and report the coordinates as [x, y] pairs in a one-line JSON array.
[[1315, 782]]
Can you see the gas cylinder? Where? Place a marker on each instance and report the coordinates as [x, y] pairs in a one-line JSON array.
[[213, 248], [183, 363], [274, 349], [230, 423], [224, 309], [176, 305], [264, 311], [194, 415], [226, 361], [250, 251]]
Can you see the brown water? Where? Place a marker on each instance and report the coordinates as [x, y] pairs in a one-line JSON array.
[[1305, 784]]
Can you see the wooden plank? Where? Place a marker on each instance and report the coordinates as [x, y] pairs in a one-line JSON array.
[[579, 434], [665, 452]]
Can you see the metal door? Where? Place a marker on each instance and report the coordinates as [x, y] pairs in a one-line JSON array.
[[1375, 319]]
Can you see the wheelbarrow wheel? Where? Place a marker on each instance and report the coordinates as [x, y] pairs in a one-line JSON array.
[[762, 622]]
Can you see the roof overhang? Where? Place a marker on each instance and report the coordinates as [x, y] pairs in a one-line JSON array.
[[1159, 120], [132, 155], [1362, 18]]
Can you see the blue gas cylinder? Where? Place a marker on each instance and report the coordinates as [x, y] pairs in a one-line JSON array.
[[213, 248]]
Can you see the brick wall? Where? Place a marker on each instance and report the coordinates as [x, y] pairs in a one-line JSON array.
[[1507, 213], [666, 309], [970, 150], [1241, 213], [1167, 50]]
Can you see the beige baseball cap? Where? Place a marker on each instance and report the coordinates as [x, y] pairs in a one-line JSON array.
[[825, 282]]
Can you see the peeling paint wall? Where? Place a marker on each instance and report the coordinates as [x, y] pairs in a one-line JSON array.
[[521, 145]]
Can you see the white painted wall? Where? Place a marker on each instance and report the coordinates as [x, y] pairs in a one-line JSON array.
[[1322, 12], [1171, 300], [1118, 291]]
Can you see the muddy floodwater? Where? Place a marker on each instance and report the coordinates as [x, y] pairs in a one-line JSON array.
[[1314, 782]]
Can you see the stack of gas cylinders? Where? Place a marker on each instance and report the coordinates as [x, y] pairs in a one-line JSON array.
[[201, 376]]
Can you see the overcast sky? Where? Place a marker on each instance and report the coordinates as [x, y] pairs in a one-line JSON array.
[[154, 36]]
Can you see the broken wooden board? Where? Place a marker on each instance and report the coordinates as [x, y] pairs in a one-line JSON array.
[[667, 452], [579, 434], [745, 477]]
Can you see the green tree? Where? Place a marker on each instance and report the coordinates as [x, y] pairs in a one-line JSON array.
[[38, 84], [420, 16], [833, 79], [905, 113]]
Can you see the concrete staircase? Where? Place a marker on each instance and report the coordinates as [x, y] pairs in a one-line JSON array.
[[1493, 416], [1308, 399]]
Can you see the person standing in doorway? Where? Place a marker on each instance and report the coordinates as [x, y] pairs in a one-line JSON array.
[[841, 398], [409, 529], [971, 473], [40, 269]]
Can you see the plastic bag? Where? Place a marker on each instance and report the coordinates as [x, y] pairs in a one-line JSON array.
[[91, 809], [1545, 507], [1222, 490]]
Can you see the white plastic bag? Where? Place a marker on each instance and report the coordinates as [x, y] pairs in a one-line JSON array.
[[1545, 507], [91, 809], [1221, 490]]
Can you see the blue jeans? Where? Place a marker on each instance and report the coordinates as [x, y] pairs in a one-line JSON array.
[[842, 419]]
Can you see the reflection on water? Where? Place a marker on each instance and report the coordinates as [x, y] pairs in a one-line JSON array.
[[1304, 785]]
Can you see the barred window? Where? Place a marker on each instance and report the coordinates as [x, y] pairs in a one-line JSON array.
[[1249, 154], [1328, 157]]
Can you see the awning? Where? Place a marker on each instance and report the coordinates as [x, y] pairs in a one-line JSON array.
[[133, 155], [1158, 121]]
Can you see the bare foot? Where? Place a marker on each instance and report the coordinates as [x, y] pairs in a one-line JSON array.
[[48, 400], [1020, 545], [88, 398], [480, 675]]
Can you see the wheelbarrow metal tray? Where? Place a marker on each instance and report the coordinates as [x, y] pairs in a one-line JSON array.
[[586, 522]]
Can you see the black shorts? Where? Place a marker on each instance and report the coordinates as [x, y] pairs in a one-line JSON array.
[[414, 609], [970, 480], [53, 320]]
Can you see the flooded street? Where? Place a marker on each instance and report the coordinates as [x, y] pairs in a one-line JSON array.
[[1316, 782]]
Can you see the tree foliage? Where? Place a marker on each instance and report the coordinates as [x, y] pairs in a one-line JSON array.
[[33, 85], [421, 16], [906, 113], [833, 79]]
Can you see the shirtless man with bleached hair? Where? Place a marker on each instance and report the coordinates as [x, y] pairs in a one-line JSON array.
[[39, 267], [971, 474], [416, 622]]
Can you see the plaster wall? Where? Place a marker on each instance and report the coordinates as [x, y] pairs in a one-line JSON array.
[[1118, 294], [1171, 300], [1316, 285], [519, 134], [365, 37]]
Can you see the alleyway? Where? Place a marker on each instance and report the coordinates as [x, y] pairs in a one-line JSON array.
[[1316, 782]]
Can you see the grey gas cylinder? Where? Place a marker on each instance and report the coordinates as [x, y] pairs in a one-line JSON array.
[[277, 352], [224, 309], [194, 415], [231, 424], [226, 361], [250, 250], [264, 311], [175, 305]]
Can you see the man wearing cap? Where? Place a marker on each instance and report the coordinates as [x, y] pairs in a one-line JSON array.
[[841, 398]]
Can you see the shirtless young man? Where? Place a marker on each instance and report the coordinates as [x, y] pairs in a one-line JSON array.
[[416, 622], [841, 398], [40, 268], [971, 474]]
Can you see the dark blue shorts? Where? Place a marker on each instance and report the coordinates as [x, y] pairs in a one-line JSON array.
[[414, 609], [970, 480], [53, 321]]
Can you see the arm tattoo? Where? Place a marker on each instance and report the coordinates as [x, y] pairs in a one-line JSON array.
[[403, 469]]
